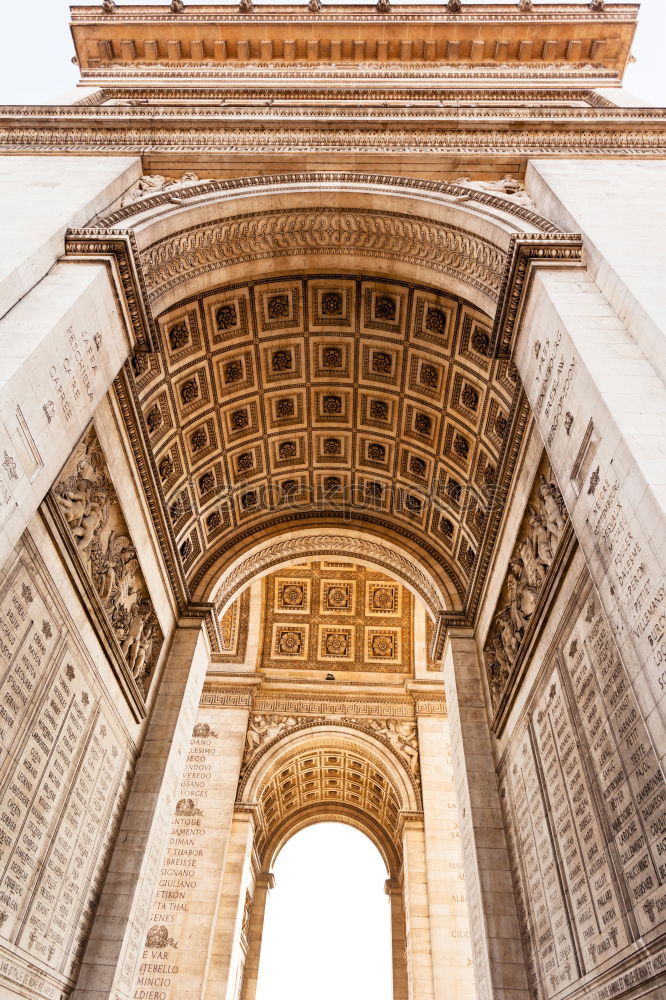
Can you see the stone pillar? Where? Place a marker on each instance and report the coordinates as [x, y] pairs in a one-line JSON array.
[[499, 964], [599, 404], [417, 909], [398, 943], [191, 885], [453, 976], [263, 883], [227, 954], [111, 960]]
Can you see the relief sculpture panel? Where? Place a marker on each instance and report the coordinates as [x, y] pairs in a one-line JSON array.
[[531, 566], [87, 507], [65, 764], [585, 806]]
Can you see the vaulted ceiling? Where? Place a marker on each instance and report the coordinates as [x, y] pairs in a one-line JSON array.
[[326, 399]]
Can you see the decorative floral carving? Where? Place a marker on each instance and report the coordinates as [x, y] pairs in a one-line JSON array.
[[284, 407], [331, 302], [422, 423], [226, 317], [429, 376], [239, 419], [377, 452], [332, 446], [278, 306], [470, 397], [233, 371], [282, 361], [379, 409], [382, 362], [287, 449], [480, 341], [534, 553], [214, 520], [165, 468], [386, 307], [189, 390], [332, 357], [332, 404], [206, 483], [199, 439], [90, 508], [461, 446], [179, 336], [435, 320]]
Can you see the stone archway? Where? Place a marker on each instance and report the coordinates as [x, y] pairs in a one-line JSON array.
[[354, 776]]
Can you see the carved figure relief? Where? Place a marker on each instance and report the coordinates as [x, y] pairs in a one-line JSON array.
[[154, 184], [538, 540], [399, 734], [90, 508]]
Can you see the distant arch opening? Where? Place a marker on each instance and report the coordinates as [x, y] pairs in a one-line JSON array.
[[327, 930]]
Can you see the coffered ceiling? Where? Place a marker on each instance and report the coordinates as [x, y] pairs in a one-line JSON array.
[[326, 399]]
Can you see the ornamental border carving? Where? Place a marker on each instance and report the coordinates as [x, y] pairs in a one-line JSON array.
[[273, 183], [97, 100], [263, 235], [203, 15], [481, 142]]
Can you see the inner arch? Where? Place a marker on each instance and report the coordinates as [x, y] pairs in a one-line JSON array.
[[327, 928]]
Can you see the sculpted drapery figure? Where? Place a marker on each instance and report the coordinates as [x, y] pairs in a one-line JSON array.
[[534, 553], [89, 505]]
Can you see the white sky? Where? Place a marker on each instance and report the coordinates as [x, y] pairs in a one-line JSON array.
[[36, 59], [327, 933]]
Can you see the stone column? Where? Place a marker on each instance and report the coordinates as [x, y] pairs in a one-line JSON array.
[[417, 909], [398, 943], [188, 899], [453, 976], [227, 956], [111, 960], [499, 964], [599, 403], [263, 883]]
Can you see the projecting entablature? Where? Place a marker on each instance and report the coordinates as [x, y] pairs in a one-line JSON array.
[[556, 40]]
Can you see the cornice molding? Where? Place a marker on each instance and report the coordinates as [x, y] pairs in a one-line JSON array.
[[564, 250], [15, 136], [119, 250]]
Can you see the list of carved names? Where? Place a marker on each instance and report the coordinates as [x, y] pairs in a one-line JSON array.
[[63, 770], [585, 801], [183, 874]]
